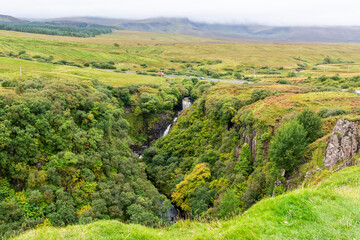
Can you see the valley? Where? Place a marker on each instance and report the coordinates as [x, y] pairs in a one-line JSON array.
[[238, 139]]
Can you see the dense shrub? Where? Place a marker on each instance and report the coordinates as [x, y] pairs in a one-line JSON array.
[[283, 81], [259, 94], [325, 112]]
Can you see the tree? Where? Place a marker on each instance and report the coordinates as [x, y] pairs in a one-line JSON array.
[[311, 123], [140, 215], [288, 145], [230, 203], [185, 189], [243, 166], [200, 201], [149, 103], [125, 96], [210, 157]]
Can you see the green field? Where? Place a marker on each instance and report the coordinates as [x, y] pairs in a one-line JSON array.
[[162, 51], [10, 68]]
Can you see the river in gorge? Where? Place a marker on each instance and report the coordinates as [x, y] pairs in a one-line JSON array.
[[172, 213]]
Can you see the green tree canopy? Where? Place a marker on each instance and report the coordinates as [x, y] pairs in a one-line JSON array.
[[288, 145]]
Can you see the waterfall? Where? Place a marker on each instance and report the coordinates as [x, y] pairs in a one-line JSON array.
[[167, 131], [186, 103]]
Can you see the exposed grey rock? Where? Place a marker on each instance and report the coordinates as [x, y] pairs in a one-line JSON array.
[[308, 174], [283, 172], [249, 139], [277, 182], [343, 143], [318, 169], [347, 163]]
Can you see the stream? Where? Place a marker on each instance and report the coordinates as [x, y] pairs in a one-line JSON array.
[[171, 213]]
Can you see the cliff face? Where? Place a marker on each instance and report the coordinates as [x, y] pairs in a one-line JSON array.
[[248, 137], [343, 143]]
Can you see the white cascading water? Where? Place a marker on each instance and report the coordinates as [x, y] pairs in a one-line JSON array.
[[167, 131], [186, 103]]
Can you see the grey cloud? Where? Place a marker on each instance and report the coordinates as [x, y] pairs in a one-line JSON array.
[[276, 12]]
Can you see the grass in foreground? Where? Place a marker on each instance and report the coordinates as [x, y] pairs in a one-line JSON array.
[[328, 211]]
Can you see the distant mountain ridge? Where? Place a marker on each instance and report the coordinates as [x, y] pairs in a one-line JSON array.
[[6, 18], [237, 31]]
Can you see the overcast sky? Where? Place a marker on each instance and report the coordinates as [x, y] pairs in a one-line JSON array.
[[271, 12]]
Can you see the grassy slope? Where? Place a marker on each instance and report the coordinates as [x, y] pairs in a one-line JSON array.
[[328, 211], [10, 68], [274, 108]]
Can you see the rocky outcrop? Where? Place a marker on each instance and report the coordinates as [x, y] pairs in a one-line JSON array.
[[249, 137], [343, 143]]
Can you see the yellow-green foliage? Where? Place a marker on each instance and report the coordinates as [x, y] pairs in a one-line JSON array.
[[327, 211], [186, 188]]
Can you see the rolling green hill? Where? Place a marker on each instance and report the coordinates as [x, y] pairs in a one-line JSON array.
[[328, 211]]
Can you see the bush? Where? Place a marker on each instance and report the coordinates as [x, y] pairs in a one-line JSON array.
[[259, 94], [9, 83], [243, 166], [67, 63], [238, 75], [283, 81], [325, 112], [108, 65], [291, 74]]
